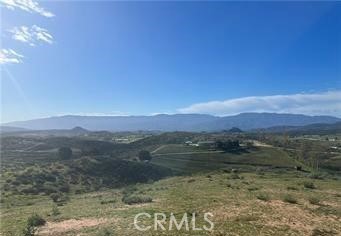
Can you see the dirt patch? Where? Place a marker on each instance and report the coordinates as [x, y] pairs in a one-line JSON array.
[[56, 228], [260, 144]]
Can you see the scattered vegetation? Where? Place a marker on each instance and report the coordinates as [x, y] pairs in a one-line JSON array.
[[88, 184]]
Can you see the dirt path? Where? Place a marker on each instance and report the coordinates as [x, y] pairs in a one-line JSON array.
[[158, 149], [58, 228], [187, 153]]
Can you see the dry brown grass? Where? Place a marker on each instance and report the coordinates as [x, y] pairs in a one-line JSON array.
[[58, 228]]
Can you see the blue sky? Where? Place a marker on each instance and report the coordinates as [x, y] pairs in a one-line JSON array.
[[220, 58]]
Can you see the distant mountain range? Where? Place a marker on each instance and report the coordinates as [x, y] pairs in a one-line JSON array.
[[9, 129], [177, 122], [319, 128]]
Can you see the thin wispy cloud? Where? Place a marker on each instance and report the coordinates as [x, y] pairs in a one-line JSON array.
[[9, 56], [324, 103], [26, 5], [31, 35]]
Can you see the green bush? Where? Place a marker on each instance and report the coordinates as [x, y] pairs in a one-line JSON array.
[[58, 197], [107, 202], [29, 231], [252, 188], [55, 211], [323, 232], [234, 176], [144, 155], [263, 196], [292, 188], [316, 176], [105, 232], [136, 199], [290, 199], [32, 222], [314, 200], [36, 220], [309, 185]]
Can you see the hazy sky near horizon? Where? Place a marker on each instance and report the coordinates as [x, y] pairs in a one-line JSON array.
[[140, 58]]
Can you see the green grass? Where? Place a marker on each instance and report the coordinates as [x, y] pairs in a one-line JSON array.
[[237, 210], [232, 197], [190, 163]]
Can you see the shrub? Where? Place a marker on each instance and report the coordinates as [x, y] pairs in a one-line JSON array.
[[323, 232], [58, 197], [144, 155], [108, 201], [36, 220], [309, 185], [292, 188], [290, 199], [32, 222], [105, 232], [136, 199], [55, 211], [235, 176], [29, 231], [263, 197], [316, 176], [314, 200], [252, 188]]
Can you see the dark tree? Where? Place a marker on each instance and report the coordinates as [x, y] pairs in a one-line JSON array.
[[65, 153], [144, 155], [229, 145]]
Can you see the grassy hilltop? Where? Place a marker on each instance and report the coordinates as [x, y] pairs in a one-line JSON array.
[[250, 190]]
